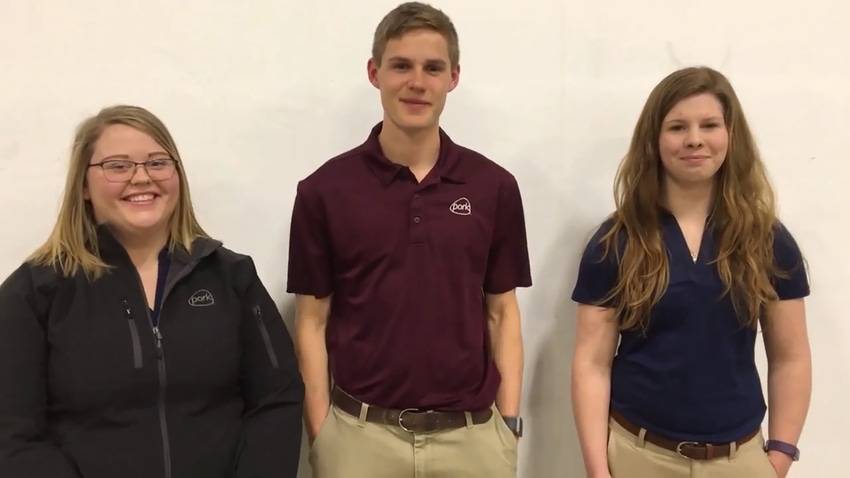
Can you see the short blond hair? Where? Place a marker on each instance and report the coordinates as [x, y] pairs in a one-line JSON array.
[[72, 245], [413, 16]]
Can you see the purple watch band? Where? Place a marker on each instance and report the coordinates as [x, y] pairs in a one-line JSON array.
[[782, 447]]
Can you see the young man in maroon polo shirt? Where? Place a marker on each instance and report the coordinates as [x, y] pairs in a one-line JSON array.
[[405, 253]]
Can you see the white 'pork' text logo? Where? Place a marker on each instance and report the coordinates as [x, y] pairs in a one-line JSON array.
[[461, 207]]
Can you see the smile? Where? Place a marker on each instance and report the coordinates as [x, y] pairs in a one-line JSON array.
[[139, 198]]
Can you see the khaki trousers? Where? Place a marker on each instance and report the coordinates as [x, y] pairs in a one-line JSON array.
[[629, 456], [349, 447]]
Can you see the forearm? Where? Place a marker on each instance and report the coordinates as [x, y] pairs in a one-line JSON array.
[[33, 458], [789, 386], [272, 445], [313, 364], [507, 353], [591, 393]]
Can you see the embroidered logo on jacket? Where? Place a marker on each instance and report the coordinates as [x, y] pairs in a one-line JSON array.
[[202, 298]]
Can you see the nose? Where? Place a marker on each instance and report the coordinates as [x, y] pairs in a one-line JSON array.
[[694, 138], [417, 77], [140, 174]]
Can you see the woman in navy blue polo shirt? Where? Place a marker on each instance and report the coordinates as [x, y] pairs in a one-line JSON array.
[[684, 271]]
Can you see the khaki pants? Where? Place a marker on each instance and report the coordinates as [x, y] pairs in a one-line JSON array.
[[631, 457], [349, 447]]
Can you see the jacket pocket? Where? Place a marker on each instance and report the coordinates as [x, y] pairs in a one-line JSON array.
[[134, 337], [264, 331]]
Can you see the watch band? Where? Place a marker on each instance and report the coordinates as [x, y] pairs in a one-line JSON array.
[[514, 424], [782, 447]]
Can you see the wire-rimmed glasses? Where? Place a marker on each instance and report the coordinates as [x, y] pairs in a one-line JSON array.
[[122, 170]]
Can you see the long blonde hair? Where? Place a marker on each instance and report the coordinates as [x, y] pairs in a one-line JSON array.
[[72, 245], [743, 217]]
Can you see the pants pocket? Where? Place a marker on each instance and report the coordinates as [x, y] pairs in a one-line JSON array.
[[322, 429], [505, 431]]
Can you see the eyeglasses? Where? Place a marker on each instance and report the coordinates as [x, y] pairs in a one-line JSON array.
[[122, 170]]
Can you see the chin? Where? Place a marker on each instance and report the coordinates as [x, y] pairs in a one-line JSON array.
[[139, 224], [414, 122]]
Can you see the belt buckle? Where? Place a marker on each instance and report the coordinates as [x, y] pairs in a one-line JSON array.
[[401, 416], [683, 444]]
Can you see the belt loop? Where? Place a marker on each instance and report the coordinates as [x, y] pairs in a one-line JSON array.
[[733, 450], [364, 409], [641, 438], [468, 417]]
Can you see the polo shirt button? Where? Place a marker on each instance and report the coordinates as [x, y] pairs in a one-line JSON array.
[[416, 219], [416, 195]]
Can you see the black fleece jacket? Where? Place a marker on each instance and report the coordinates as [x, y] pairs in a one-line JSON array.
[[89, 389]]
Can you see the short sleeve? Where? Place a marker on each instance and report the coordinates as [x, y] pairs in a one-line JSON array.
[[310, 259], [508, 265], [789, 260], [597, 274]]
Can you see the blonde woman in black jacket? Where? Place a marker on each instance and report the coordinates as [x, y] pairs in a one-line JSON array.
[[134, 345]]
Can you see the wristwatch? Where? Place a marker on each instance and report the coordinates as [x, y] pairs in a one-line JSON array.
[[514, 424], [782, 447]]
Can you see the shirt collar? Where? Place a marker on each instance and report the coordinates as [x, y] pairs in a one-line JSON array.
[[447, 166]]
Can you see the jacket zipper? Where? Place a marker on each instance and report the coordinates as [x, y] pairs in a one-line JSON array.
[[160, 369], [134, 335], [163, 424], [160, 356], [264, 331]]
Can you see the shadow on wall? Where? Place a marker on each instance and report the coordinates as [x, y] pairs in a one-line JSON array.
[[553, 444], [288, 313], [361, 104]]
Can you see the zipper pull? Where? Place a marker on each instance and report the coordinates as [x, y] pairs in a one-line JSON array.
[[158, 342], [127, 311], [258, 313]]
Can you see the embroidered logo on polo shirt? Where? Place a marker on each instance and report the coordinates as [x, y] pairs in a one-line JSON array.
[[202, 298], [461, 207]]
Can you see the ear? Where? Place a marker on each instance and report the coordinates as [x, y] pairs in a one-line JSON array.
[[455, 77], [372, 72]]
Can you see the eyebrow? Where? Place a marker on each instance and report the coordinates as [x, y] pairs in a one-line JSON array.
[[125, 156], [712, 118], [401, 59]]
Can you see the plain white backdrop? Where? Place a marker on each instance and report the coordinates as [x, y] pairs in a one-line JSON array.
[[260, 93]]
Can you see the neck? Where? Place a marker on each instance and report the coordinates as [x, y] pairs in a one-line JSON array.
[[143, 249], [419, 149], [688, 200]]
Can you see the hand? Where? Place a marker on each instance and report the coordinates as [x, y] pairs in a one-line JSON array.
[[781, 463], [313, 431]]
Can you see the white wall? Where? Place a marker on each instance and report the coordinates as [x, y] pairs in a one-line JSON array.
[[550, 89]]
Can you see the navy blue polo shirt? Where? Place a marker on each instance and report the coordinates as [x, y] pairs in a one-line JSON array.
[[693, 377]]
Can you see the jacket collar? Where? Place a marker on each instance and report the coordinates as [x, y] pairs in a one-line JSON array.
[[111, 250]]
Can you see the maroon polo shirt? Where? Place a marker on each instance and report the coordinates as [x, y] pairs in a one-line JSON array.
[[407, 264]]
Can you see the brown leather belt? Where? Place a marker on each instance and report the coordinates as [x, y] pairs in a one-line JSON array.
[[410, 420], [686, 449]]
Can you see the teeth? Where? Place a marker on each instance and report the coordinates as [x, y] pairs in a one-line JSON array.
[[140, 198]]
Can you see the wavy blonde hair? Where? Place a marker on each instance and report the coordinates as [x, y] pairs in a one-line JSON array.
[[743, 210], [72, 245]]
